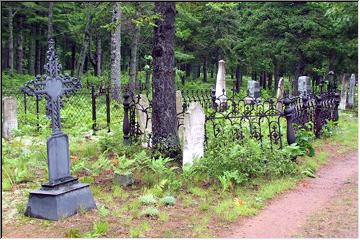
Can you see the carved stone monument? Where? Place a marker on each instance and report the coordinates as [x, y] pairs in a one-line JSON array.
[[144, 119], [194, 135], [9, 121], [62, 195], [351, 95], [221, 84], [304, 86], [344, 92], [253, 92], [280, 94], [179, 111]]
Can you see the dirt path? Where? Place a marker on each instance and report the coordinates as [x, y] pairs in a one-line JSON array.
[[288, 215]]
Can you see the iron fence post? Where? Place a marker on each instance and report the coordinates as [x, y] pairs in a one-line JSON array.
[[317, 116], [213, 99], [288, 112], [93, 105], [108, 108], [337, 102], [304, 109], [126, 122]]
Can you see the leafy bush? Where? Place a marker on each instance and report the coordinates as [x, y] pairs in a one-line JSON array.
[[237, 162], [168, 200], [150, 212], [147, 199], [304, 136]]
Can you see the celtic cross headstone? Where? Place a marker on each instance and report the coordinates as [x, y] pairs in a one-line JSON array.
[[62, 195]]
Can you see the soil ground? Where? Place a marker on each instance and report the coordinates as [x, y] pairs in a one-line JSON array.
[[325, 206]]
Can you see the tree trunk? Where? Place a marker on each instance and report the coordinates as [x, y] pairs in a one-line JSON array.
[[32, 51], [134, 49], [238, 78], [38, 54], [188, 70], [299, 71], [11, 40], [205, 70], [84, 49], [98, 55], [269, 78], [50, 21], [276, 74], [20, 47], [91, 57], [73, 58], [164, 120], [115, 52]]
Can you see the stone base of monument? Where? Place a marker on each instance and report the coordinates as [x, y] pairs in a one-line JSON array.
[[59, 201], [250, 100]]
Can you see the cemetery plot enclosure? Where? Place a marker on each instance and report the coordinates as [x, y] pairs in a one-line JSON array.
[[272, 122]]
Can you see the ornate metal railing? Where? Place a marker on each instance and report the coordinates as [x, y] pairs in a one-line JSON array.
[[274, 121]]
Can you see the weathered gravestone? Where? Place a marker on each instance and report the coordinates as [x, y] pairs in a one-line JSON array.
[[253, 92], [9, 121], [220, 91], [144, 119], [351, 96], [344, 92], [280, 94], [179, 113], [194, 135], [304, 86], [63, 195], [331, 81]]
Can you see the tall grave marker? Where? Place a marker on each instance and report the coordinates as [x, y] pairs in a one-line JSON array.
[[194, 135], [221, 84], [304, 86], [253, 92], [62, 195], [10, 122], [351, 95]]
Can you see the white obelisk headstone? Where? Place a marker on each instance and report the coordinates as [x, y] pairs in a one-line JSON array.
[[220, 83]]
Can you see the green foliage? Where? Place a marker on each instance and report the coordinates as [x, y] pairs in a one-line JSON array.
[[100, 229], [147, 199], [168, 200], [73, 233], [304, 136], [151, 212], [103, 211], [329, 129]]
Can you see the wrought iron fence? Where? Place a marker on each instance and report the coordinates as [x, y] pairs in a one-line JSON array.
[[271, 121]]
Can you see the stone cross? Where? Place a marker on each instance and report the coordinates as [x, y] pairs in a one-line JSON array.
[[9, 121], [351, 95], [280, 94], [221, 83], [194, 135], [63, 195], [304, 85]]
